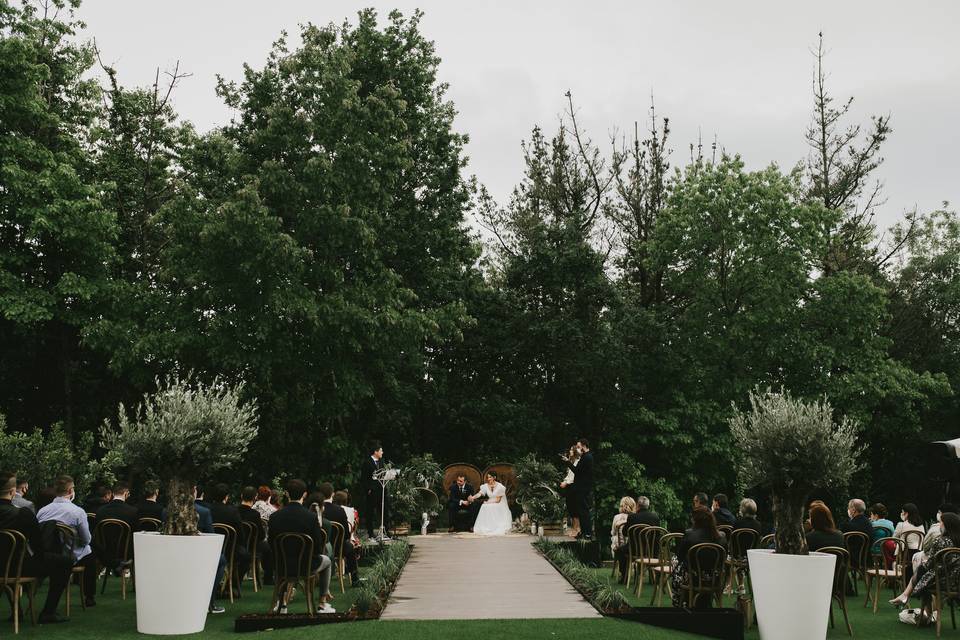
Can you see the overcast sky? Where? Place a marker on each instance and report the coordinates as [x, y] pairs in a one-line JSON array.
[[738, 70]]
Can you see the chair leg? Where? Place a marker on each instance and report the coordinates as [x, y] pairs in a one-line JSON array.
[[846, 618], [876, 598], [83, 589], [16, 608], [31, 594]]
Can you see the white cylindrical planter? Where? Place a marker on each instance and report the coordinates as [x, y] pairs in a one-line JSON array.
[[174, 577], [791, 594]]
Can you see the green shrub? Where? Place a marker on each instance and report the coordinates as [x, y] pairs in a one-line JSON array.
[[367, 599], [609, 598]]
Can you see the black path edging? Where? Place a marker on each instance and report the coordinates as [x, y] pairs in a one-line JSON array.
[[723, 624], [266, 621]]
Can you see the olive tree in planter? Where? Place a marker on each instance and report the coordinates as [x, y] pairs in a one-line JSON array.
[[183, 431], [791, 447]]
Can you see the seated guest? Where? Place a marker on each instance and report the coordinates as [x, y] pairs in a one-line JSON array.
[[23, 520], [701, 500], [335, 513], [224, 513], [823, 531], [703, 529], [461, 511], [314, 503], [748, 516], [910, 520], [149, 507], [856, 511], [99, 496], [64, 511], [618, 534], [19, 499], [262, 504], [248, 497], [721, 510], [921, 585], [932, 534], [295, 518], [342, 498], [644, 515], [44, 497], [882, 527], [118, 509]]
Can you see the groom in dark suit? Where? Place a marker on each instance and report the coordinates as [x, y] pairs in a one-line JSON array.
[[462, 512], [583, 488], [373, 490]]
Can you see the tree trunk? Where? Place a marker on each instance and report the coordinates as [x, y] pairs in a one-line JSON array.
[[181, 512], [788, 520]]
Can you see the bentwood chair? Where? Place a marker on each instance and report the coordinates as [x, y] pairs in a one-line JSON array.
[[149, 524], [338, 560], [663, 571], [633, 549], [293, 565], [13, 550], [857, 544], [68, 535], [112, 538], [705, 568], [841, 574], [649, 554], [741, 541], [879, 573], [249, 538], [946, 578], [768, 541], [725, 529], [230, 553], [914, 542], [619, 534]]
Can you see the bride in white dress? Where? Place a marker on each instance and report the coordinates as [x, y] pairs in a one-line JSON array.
[[494, 518]]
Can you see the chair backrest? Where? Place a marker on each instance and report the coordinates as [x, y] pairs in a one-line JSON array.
[[470, 472], [725, 529], [229, 539], [91, 521], [13, 549], [668, 545], [841, 571], [293, 555], [506, 475], [149, 524], [767, 541], [741, 541], [249, 536], [915, 536], [650, 541], [634, 548], [899, 552], [339, 535], [946, 573], [705, 566], [112, 538], [858, 546]]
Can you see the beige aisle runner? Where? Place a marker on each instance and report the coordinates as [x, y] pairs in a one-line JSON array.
[[497, 577]]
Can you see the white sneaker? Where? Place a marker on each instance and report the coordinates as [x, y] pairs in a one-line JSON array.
[[326, 608]]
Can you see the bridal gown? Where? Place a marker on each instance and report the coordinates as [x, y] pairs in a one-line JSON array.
[[494, 518]]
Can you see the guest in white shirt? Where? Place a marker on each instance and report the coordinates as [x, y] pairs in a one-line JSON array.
[[910, 520], [64, 511]]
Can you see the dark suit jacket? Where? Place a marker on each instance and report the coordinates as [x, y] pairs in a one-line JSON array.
[[22, 520], [251, 515], [646, 517], [817, 540], [226, 514], [693, 537], [367, 469], [295, 518], [748, 523], [335, 513], [456, 495], [724, 516], [583, 474], [119, 510], [859, 523], [149, 509]]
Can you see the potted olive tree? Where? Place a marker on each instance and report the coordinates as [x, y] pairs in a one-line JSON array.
[[791, 447], [184, 431]]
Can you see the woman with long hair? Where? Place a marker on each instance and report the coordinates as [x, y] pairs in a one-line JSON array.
[[703, 529], [823, 531], [922, 583]]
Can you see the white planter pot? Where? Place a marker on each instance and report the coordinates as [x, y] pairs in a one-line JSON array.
[[791, 594], [174, 577]]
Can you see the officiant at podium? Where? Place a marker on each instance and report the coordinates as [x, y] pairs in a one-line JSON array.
[[461, 511], [373, 489]]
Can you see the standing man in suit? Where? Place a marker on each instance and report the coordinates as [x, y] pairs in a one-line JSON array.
[[583, 488], [461, 511], [372, 488]]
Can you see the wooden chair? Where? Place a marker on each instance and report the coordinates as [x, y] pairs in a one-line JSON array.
[[68, 535], [725, 529], [857, 544], [649, 553], [13, 550], [705, 567], [841, 574], [661, 572], [618, 534], [470, 472], [768, 541], [249, 539], [914, 542], [230, 552], [741, 541], [878, 573], [112, 538], [633, 548], [946, 578], [149, 524], [338, 560], [293, 556], [507, 476]]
